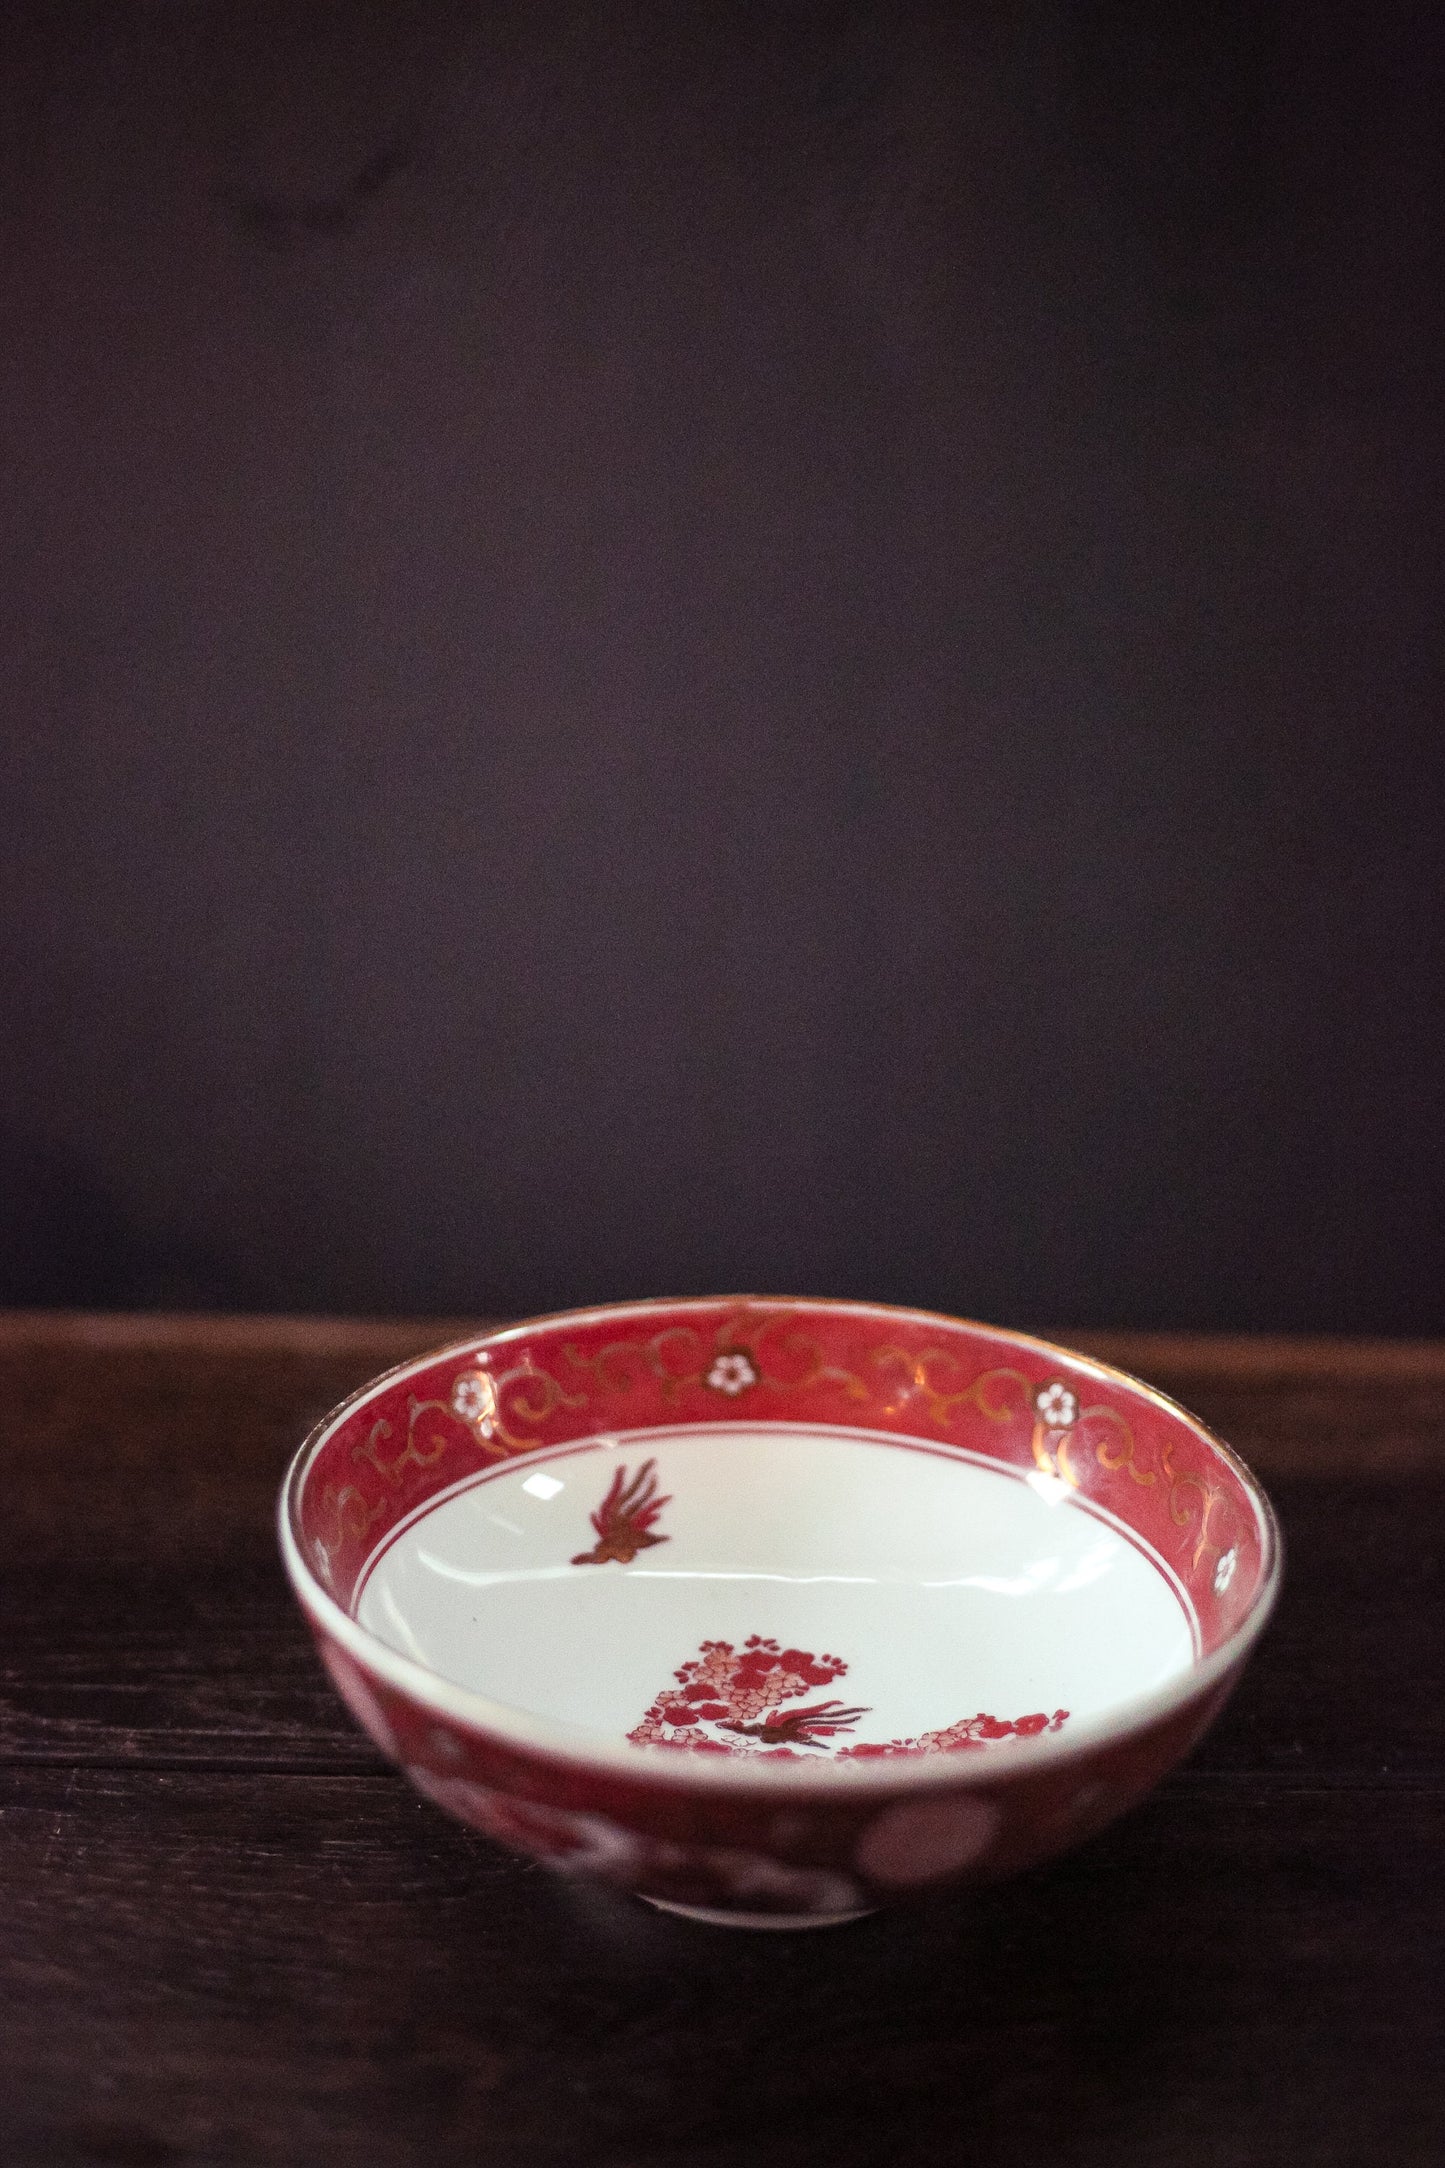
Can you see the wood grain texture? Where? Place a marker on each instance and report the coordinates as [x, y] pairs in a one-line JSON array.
[[213, 1668], [231, 1935], [269, 1969], [1344, 1407]]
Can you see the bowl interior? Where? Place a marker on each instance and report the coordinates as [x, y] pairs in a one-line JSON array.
[[807, 1531]]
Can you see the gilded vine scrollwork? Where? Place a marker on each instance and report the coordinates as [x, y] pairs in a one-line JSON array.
[[919, 1373], [1123, 1454], [489, 1406], [355, 1514], [504, 1412], [1181, 1515], [413, 1454], [1060, 1426], [1061, 1430], [740, 1354]]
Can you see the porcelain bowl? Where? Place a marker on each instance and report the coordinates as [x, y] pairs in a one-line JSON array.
[[776, 1611]]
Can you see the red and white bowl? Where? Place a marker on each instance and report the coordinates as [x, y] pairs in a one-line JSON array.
[[775, 1611]]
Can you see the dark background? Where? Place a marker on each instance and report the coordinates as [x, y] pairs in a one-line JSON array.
[[650, 648]]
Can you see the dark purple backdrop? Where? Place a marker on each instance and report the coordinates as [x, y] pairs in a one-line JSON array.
[[670, 647]]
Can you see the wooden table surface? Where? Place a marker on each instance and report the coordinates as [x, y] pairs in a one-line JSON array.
[[229, 1933]]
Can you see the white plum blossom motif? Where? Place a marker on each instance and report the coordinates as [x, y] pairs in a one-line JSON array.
[[924, 1839], [591, 1845], [1058, 1408], [753, 1877], [474, 1397], [732, 1373], [1224, 1571]]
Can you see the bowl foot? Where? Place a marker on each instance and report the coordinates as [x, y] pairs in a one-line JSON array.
[[768, 1920]]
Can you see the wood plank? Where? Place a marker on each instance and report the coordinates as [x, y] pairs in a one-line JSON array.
[[230, 1935], [1264, 1359], [141, 1440], [143, 1616], [260, 1969], [180, 1662], [1233, 1358], [154, 1440], [372, 1340], [1299, 1407]]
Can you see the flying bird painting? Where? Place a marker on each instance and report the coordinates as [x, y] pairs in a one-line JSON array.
[[625, 1519]]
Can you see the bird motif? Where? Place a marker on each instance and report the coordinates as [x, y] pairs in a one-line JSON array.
[[797, 1727], [625, 1518]]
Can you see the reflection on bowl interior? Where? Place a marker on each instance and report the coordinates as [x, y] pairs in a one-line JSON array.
[[774, 1589]]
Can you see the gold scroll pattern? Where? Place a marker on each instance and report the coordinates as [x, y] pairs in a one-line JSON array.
[[750, 1347], [929, 1375], [934, 1377], [1192, 1501], [504, 1412], [493, 1408], [353, 1513]]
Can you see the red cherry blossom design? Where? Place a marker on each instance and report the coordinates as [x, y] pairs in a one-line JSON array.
[[746, 1694]]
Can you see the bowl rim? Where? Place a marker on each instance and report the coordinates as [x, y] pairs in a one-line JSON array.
[[586, 1753]]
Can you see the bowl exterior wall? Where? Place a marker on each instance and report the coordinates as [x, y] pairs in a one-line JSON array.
[[770, 1845], [767, 1849]]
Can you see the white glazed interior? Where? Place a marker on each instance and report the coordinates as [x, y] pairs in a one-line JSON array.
[[948, 1586]]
